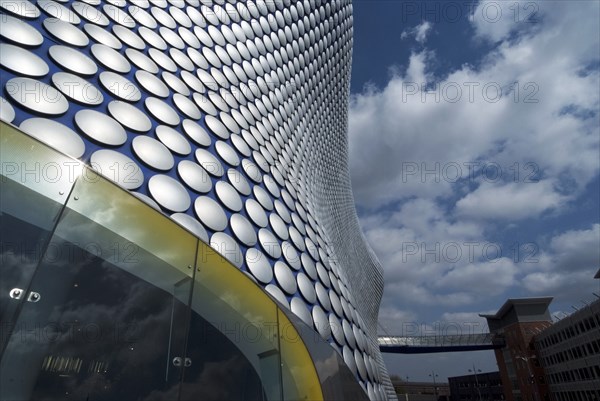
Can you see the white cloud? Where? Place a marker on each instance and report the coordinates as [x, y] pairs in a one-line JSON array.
[[421, 151], [466, 316], [471, 322], [490, 277], [417, 242], [570, 262], [561, 285], [534, 126], [394, 320], [409, 293], [577, 249], [420, 32], [495, 20], [512, 201]]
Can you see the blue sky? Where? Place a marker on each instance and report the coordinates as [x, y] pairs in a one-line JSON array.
[[474, 152]]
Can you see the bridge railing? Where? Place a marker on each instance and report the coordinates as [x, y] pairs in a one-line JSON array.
[[443, 343]]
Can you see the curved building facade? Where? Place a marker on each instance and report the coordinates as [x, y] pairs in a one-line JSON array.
[[228, 117]]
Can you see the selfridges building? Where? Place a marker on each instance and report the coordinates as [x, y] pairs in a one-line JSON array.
[[177, 219]]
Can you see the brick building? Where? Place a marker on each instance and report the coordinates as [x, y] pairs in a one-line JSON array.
[[517, 322]]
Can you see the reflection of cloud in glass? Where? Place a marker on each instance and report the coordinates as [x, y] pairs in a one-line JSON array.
[[221, 381], [17, 266], [122, 213], [100, 314], [121, 322], [327, 366]]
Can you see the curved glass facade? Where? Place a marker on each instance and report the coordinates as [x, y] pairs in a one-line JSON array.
[[228, 116], [96, 307]]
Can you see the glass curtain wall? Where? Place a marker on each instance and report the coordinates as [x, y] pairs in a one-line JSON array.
[[105, 298]]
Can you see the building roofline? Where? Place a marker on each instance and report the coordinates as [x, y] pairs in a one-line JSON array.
[[517, 301], [491, 372]]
